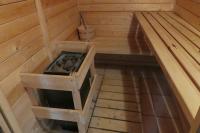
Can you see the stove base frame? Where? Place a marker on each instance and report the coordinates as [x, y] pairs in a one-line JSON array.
[[33, 80]]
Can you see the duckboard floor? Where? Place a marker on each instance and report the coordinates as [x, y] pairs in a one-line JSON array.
[[135, 100]]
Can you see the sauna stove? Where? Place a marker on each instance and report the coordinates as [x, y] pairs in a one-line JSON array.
[[65, 64]]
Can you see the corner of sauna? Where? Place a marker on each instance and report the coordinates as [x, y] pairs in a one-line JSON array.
[[119, 82]]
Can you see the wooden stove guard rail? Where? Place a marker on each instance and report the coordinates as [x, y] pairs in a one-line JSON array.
[[67, 83], [176, 46], [33, 81]]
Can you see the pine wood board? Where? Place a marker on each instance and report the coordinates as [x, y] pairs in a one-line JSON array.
[[184, 30], [53, 9], [114, 43], [24, 24], [113, 82], [127, 7], [17, 43], [122, 2], [10, 12], [189, 41], [183, 22], [117, 114], [117, 96], [129, 106], [117, 89], [94, 130], [188, 16], [115, 125], [108, 18], [61, 20], [19, 58], [191, 6]]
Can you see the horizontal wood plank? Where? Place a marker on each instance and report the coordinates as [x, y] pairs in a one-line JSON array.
[[115, 125], [52, 82], [117, 105], [188, 16], [117, 96], [10, 12], [122, 2], [94, 130], [56, 114], [117, 89], [126, 7], [117, 114], [113, 82]]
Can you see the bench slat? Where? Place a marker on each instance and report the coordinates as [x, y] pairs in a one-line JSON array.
[[193, 39], [182, 29], [183, 22], [183, 87], [190, 66], [187, 44]]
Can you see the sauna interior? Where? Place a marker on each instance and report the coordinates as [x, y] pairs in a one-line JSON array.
[[99, 66]]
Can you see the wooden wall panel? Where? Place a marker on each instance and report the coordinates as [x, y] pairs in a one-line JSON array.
[[62, 18], [115, 18], [116, 30], [20, 42], [190, 11], [3, 2], [126, 5], [23, 47], [111, 24]]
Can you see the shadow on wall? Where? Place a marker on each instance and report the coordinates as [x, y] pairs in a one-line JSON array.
[[137, 41]]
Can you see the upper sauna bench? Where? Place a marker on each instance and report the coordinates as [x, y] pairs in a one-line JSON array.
[[176, 45]]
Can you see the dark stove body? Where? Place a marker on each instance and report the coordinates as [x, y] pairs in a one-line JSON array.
[[65, 64]]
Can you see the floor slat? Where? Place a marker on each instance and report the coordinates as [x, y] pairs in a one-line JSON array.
[[133, 106], [118, 89], [118, 82], [94, 130], [117, 105], [115, 125], [117, 114], [117, 96], [117, 76]]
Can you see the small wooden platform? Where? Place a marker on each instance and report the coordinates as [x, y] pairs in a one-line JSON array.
[[134, 101]]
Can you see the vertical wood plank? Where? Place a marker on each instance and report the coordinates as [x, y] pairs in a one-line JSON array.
[[43, 25], [196, 123], [9, 114]]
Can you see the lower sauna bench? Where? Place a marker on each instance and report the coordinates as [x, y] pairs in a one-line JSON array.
[[135, 100]]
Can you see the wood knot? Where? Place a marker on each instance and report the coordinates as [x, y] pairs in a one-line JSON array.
[[174, 45]]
